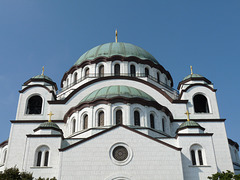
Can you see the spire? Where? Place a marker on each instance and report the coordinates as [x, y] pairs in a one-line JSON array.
[[42, 71], [116, 34], [191, 70]]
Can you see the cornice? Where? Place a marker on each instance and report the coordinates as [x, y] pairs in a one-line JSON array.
[[41, 80], [117, 77], [194, 79], [114, 127]]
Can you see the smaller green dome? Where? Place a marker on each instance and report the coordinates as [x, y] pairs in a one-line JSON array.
[[192, 76], [49, 125], [117, 91], [189, 124], [42, 77]]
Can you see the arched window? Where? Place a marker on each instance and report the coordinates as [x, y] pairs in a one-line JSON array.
[[116, 70], [193, 157], [75, 78], [118, 117], [152, 123], [46, 158], [73, 125], [101, 118], [136, 118], [87, 72], [4, 156], [163, 124], [42, 156], [200, 104], [34, 105], [85, 122], [200, 157], [166, 80], [158, 77], [197, 155], [67, 82], [132, 71], [39, 158], [146, 72], [101, 71]]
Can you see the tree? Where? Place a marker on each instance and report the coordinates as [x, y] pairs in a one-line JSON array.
[[15, 174], [224, 176]]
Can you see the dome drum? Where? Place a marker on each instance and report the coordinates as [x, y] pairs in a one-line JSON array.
[[123, 52], [109, 111]]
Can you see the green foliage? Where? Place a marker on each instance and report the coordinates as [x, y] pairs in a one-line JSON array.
[[15, 174], [40, 178], [224, 176]]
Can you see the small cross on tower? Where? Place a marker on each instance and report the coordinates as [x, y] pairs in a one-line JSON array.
[[187, 113], [50, 115]]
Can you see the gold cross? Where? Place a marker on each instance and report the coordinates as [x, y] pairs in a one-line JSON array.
[[116, 38], [187, 113], [191, 70], [50, 115], [42, 71]]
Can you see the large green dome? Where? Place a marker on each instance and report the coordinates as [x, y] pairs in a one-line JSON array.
[[119, 48], [117, 91]]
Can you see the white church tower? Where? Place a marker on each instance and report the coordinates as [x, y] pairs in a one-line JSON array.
[[116, 117]]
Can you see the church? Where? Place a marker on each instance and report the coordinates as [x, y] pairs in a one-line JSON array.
[[118, 117]]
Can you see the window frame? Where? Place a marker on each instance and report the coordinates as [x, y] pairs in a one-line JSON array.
[[197, 152], [41, 153]]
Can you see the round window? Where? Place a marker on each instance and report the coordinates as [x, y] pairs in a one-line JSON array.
[[120, 154]]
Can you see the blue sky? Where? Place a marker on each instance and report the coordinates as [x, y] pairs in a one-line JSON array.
[[54, 34]]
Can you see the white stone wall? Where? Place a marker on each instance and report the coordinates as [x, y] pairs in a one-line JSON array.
[[30, 158], [211, 98], [18, 142], [23, 101], [200, 172], [92, 159]]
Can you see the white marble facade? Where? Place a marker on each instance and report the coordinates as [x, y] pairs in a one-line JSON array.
[[118, 117]]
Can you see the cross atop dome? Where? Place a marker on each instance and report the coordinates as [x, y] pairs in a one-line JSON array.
[[116, 36]]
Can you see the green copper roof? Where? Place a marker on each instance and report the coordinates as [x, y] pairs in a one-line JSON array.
[[49, 124], [115, 91], [42, 77], [192, 76], [119, 48], [189, 124]]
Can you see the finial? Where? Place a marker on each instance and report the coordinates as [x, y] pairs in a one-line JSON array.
[[191, 70], [50, 115], [187, 113], [42, 71], [116, 38]]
